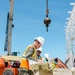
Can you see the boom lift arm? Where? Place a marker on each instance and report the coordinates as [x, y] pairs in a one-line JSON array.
[[8, 39]]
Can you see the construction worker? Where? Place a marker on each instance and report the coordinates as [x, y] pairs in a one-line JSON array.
[[39, 51], [38, 56], [30, 54]]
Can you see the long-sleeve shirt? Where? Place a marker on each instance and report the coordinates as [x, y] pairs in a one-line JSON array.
[[29, 52]]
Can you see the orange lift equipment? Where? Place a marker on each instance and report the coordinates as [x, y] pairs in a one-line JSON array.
[[9, 67]]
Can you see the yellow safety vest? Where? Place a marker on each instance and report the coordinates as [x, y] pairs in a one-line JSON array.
[[24, 62]]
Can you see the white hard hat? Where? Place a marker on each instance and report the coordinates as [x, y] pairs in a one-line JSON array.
[[39, 49], [40, 39]]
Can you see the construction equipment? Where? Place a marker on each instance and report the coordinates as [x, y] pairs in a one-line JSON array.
[[9, 26], [8, 64], [47, 21], [8, 67], [59, 63]]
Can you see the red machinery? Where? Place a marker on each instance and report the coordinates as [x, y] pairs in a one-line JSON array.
[[59, 63], [9, 67]]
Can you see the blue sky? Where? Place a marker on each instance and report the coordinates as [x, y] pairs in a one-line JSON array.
[[28, 23]]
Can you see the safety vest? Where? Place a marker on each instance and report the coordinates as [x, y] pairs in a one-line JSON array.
[[24, 62]]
